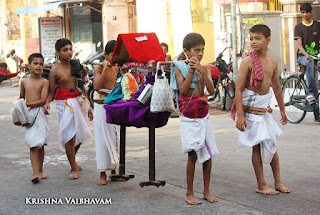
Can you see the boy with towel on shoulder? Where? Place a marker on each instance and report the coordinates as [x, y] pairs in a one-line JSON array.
[[187, 84], [106, 135], [29, 112], [257, 129]]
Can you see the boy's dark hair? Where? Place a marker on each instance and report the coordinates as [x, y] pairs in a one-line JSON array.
[[110, 46], [191, 40], [262, 29], [165, 45], [306, 6], [33, 56], [62, 42]]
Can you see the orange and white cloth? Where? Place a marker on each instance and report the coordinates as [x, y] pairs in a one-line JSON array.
[[261, 127], [72, 117], [107, 140], [101, 95]]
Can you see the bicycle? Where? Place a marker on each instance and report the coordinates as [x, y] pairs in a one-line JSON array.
[[294, 91]]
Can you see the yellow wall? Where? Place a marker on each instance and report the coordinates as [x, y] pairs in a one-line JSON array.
[[206, 30], [202, 23]]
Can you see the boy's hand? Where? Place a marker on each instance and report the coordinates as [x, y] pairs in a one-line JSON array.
[[106, 64], [241, 123], [47, 109], [284, 119], [195, 64], [308, 57], [90, 114]]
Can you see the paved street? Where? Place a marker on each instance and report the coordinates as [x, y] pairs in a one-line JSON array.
[[233, 180]]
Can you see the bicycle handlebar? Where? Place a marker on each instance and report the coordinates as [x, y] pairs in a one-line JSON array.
[[315, 57]]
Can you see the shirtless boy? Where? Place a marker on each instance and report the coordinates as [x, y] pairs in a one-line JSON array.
[[107, 136], [187, 83], [71, 104], [257, 129], [35, 91]]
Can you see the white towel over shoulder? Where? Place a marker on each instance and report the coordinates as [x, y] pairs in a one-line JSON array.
[[72, 115], [197, 135]]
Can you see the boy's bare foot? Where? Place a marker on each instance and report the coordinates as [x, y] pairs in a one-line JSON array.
[[283, 189], [43, 176], [35, 179], [266, 190], [192, 200], [103, 179], [210, 198], [79, 167], [73, 175]]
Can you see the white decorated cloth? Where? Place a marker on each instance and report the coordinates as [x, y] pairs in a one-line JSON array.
[[197, 135], [37, 135], [107, 140], [261, 129], [72, 116]]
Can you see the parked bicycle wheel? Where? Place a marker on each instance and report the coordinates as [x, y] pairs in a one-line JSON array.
[[294, 92]]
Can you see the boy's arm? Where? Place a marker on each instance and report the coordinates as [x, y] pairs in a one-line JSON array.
[[52, 86], [208, 80], [297, 36], [22, 90], [278, 93], [43, 98], [99, 72], [240, 86], [184, 83], [205, 71]]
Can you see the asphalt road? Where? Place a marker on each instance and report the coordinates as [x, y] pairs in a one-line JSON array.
[[233, 180]]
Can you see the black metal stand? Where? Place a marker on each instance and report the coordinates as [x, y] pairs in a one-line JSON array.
[[122, 168], [152, 166]]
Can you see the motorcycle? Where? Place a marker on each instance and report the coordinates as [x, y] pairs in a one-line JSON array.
[[4, 73], [22, 69], [223, 83], [47, 66]]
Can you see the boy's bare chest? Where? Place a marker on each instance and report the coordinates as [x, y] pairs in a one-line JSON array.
[[268, 70], [33, 87], [64, 77]]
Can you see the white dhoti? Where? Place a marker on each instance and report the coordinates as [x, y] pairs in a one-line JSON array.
[[107, 140], [37, 135], [72, 116], [261, 128], [197, 135]]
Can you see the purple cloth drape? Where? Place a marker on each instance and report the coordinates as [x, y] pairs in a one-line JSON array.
[[133, 113]]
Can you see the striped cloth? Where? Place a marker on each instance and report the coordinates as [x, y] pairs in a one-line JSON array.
[[257, 75]]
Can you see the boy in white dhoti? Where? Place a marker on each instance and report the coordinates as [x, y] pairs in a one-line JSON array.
[[71, 103], [30, 112], [257, 127], [107, 136], [188, 80]]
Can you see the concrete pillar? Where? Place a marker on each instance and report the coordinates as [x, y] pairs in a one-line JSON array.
[[291, 17]]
